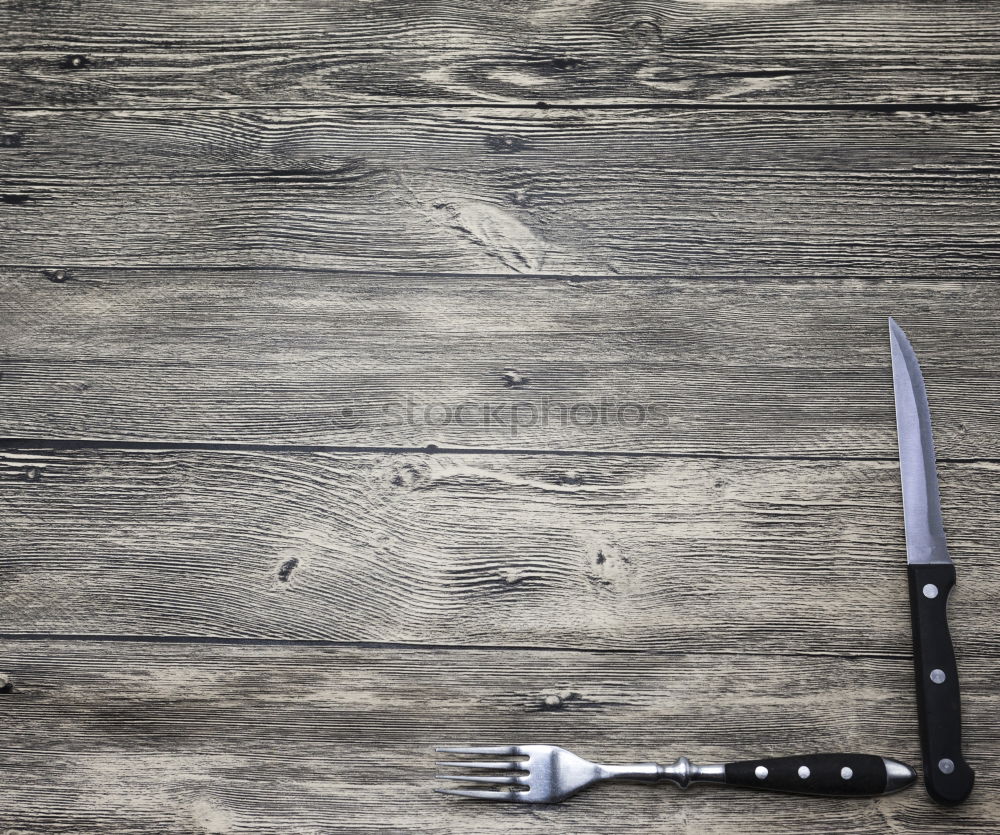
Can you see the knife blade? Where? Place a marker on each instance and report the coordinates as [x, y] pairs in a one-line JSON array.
[[947, 776]]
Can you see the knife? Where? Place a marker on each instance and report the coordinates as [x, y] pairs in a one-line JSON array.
[[947, 776]]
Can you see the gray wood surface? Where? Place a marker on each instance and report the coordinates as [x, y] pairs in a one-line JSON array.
[[125, 53], [592, 192], [251, 255], [747, 368], [483, 550], [154, 737]]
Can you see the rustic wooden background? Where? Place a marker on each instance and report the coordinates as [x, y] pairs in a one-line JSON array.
[[252, 252]]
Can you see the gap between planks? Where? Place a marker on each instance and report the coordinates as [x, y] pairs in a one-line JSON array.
[[393, 646], [872, 107], [485, 277], [59, 445]]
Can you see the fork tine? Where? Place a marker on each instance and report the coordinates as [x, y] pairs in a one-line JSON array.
[[502, 750], [509, 780], [514, 765], [480, 795]]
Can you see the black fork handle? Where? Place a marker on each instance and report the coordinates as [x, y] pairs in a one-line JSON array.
[[834, 775]]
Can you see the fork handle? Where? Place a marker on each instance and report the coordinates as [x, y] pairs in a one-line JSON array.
[[835, 775]]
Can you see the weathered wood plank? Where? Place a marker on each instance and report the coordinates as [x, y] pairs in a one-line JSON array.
[[716, 367], [144, 738], [498, 550], [580, 51], [507, 190]]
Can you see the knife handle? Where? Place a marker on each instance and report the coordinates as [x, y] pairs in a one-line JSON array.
[[947, 775], [835, 775]]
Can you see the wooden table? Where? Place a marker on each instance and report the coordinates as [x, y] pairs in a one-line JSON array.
[[392, 374]]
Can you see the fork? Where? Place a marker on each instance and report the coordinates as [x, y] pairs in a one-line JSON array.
[[549, 774]]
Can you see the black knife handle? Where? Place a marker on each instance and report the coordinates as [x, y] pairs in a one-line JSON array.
[[947, 775], [836, 775]]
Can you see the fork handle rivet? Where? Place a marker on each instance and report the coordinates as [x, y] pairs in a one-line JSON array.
[[760, 772]]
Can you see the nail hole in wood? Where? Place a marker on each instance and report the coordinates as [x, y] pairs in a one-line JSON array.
[[75, 62]]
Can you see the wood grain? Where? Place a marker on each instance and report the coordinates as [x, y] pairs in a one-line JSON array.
[[483, 550], [599, 192], [152, 737], [118, 53], [776, 368], [235, 596]]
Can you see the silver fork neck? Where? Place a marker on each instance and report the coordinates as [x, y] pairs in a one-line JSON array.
[[682, 773]]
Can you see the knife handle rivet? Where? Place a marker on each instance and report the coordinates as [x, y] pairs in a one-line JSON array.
[[937, 676], [846, 773], [803, 771], [930, 591], [946, 766], [760, 772]]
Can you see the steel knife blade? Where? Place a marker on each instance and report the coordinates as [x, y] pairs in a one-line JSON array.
[[947, 776]]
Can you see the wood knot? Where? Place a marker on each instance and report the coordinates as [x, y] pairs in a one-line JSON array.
[[31, 474], [608, 568], [644, 33], [407, 475], [557, 699], [6, 683], [564, 63], [57, 276], [75, 62], [347, 419], [570, 479], [504, 144], [520, 197], [11, 140], [286, 568], [513, 379], [511, 576]]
